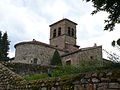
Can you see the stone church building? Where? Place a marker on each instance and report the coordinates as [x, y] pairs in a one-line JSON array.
[[63, 39]]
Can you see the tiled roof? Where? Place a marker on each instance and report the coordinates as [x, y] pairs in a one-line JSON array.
[[38, 43], [61, 21]]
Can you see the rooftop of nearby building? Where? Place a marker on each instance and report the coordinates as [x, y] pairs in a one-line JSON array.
[[82, 49]]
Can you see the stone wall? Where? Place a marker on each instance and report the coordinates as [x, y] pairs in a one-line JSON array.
[[34, 52], [27, 69], [104, 80], [8, 79], [60, 40], [87, 54]]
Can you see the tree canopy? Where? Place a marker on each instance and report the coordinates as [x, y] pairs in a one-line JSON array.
[[116, 43], [4, 46], [110, 6], [56, 59]]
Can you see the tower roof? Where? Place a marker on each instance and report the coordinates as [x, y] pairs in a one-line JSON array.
[[64, 19]]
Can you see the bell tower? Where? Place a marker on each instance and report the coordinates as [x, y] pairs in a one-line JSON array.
[[62, 33]]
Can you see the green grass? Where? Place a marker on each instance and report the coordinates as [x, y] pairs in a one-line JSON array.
[[36, 76], [73, 70]]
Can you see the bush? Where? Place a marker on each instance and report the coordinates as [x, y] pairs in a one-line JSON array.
[[73, 70], [56, 59], [69, 70]]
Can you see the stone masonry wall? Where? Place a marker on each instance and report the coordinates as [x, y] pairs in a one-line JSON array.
[[27, 69], [87, 54], [26, 53], [8, 79], [104, 80], [64, 37]]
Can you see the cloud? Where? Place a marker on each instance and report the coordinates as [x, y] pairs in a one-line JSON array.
[[56, 9], [28, 19], [21, 23]]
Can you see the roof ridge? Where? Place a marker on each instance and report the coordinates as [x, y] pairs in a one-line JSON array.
[[38, 43]]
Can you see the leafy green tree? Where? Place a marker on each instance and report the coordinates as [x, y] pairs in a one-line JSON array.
[[112, 7], [56, 59], [5, 44], [116, 43]]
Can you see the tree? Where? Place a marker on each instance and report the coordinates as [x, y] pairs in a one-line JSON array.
[[56, 59], [116, 43], [110, 6], [4, 46], [1, 46]]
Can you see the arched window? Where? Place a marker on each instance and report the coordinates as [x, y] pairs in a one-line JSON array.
[[54, 33], [69, 31], [59, 31], [72, 32]]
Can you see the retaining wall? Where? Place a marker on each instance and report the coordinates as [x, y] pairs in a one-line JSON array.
[[104, 80]]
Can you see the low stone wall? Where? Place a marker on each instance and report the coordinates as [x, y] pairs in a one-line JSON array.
[[105, 80], [8, 79], [27, 69], [87, 81]]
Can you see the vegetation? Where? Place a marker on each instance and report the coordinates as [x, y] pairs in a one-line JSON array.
[[112, 7], [74, 70], [36, 76], [4, 46], [56, 59], [116, 43]]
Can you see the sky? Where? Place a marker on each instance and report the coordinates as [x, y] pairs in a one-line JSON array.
[[25, 20]]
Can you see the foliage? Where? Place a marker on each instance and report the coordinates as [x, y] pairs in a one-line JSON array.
[[35, 76], [4, 46], [85, 66], [116, 43], [62, 71], [1, 50], [110, 6], [113, 57], [67, 70], [56, 59]]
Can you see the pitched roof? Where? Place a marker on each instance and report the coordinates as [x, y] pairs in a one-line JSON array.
[[64, 19], [81, 50], [38, 43]]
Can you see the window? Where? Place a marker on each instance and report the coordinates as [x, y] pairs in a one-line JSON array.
[[35, 61], [59, 31], [91, 57], [54, 33], [68, 62], [72, 32], [69, 31]]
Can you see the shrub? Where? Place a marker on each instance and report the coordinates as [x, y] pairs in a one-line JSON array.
[[56, 59]]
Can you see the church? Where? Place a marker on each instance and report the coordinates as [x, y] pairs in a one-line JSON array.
[[63, 39]]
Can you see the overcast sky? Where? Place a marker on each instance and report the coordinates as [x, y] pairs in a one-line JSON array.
[[25, 20]]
